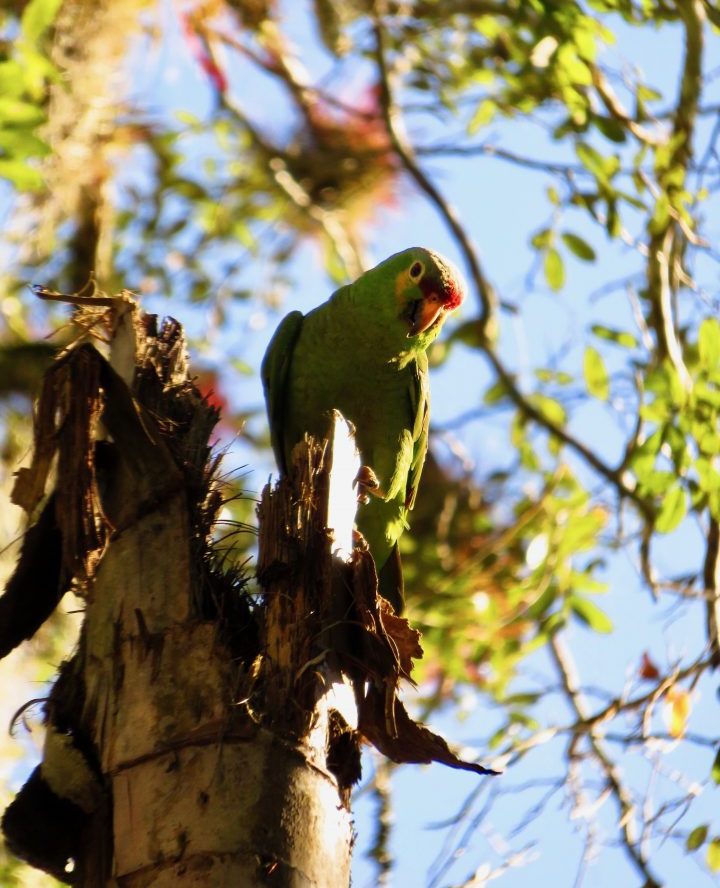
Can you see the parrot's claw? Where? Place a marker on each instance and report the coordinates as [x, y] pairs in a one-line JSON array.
[[367, 485]]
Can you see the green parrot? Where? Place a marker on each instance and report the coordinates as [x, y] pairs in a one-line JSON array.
[[363, 352]]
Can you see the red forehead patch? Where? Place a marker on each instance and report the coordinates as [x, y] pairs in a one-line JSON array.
[[446, 285], [454, 294]]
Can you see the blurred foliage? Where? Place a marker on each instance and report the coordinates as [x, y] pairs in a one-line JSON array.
[[486, 592], [25, 72], [362, 106]]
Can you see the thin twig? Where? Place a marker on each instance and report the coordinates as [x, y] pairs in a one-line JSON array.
[[391, 116], [568, 674], [711, 572], [618, 112]]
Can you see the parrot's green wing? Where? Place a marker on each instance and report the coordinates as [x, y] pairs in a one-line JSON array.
[[409, 466], [420, 405], [274, 372]]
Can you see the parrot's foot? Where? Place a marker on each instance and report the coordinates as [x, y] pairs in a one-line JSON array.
[[367, 485]]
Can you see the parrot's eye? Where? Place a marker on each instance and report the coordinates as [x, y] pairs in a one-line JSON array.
[[416, 270]]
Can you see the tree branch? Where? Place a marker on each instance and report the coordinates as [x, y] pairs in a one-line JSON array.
[[393, 125], [663, 236], [488, 296], [711, 570], [616, 110], [568, 674]]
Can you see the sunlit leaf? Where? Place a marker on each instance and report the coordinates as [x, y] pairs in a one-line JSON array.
[[496, 393], [11, 78], [709, 343], [485, 112], [37, 17], [590, 614], [559, 377], [678, 705], [21, 143], [619, 337], [542, 238], [554, 269], [672, 510], [550, 407], [647, 94], [553, 195], [596, 375], [713, 855], [23, 177], [592, 160], [16, 112]]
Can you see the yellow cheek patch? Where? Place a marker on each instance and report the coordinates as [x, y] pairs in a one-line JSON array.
[[402, 283]]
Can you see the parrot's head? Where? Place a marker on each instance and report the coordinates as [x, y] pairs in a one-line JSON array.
[[427, 288], [403, 301]]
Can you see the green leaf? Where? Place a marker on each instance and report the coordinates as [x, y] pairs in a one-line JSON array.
[[495, 393], [581, 248], [189, 119], [613, 225], [672, 511], [37, 70], [619, 337], [542, 239], [11, 78], [21, 143], [37, 18], [573, 69], [661, 215], [592, 160], [15, 112], [241, 366], [23, 177], [715, 772], [709, 343], [559, 377], [590, 614], [586, 45], [647, 94], [550, 408], [521, 699], [554, 269], [486, 110], [713, 855], [697, 837], [610, 128], [596, 375]]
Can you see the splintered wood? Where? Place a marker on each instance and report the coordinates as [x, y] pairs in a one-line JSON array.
[[325, 623]]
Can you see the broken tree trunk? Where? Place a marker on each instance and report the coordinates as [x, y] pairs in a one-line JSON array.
[[199, 736], [175, 779]]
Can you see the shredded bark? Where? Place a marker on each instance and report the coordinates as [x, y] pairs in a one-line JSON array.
[[318, 613]]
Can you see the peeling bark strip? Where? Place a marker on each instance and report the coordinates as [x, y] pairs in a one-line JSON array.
[[65, 423]]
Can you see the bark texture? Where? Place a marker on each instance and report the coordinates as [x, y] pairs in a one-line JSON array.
[[155, 758]]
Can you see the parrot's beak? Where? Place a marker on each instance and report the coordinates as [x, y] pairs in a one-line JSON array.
[[422, 313]]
